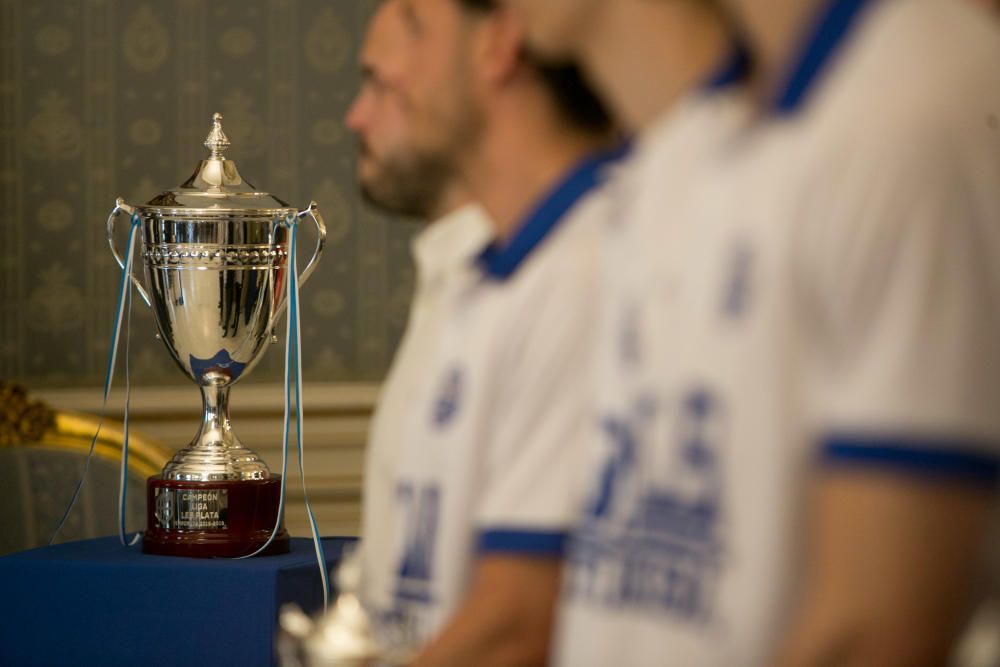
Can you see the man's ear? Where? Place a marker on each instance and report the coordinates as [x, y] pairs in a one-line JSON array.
[[502, 42]]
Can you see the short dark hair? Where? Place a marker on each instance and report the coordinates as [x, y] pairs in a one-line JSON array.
[[575, 99]]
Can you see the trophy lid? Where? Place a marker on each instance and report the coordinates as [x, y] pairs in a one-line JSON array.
[[216, 186]]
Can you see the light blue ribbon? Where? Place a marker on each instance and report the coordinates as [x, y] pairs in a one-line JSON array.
[[124, 298], [293, 359]]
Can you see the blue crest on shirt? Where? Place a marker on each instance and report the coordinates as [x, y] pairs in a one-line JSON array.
[[652, 537], [449, 397]]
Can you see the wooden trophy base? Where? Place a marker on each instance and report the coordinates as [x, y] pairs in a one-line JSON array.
[[223, 519]]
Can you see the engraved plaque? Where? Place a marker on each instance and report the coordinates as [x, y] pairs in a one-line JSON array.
[[192, 509]]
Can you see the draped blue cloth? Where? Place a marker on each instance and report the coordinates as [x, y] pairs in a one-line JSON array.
[[95, 602]]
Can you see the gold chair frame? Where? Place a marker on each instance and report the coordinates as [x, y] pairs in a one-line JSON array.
[[74, 431]]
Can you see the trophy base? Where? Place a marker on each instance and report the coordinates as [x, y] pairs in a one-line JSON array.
[[221, 519]]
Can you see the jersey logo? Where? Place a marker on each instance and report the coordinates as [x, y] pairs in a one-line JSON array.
[[449, 397], [420, 506], [652, 539], [736, 297]]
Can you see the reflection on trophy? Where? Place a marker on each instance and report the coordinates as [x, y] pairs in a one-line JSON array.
[[215, 252]]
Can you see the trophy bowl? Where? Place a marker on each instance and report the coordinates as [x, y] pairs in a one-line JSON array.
[[215, 259]]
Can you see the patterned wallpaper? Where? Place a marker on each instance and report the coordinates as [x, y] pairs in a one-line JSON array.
[[101, 98]]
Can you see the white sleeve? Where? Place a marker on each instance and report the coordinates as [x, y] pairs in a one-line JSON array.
[[536, 439], [903, 292]]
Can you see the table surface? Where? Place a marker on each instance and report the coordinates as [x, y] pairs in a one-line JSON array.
[[95, 600]]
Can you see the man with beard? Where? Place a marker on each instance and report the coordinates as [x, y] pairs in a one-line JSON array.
[[483, 486], [397, 179], [801, 363]]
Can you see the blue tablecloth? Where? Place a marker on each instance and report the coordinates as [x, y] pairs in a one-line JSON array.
[[95, 602]]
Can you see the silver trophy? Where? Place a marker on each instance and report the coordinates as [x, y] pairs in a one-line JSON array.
[[344, 636], [215, 258]]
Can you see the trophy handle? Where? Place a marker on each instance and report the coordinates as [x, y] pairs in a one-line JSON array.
[[120, 206], [313, 212]]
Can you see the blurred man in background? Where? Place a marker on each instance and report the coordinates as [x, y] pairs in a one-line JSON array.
[[400, 180], [801, 366], [481, 494], [641, 55]]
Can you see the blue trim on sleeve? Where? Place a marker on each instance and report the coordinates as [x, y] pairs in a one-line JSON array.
[[833, 26], [500, 262], [960, 461], [518, 541]]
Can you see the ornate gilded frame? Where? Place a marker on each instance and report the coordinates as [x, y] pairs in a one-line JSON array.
[[74, 431]]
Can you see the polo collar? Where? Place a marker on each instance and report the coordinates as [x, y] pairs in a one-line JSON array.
[[500, 262], [830, 31], [450, 242]]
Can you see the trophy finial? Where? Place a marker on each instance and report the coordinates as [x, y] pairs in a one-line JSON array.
[[217, 141]]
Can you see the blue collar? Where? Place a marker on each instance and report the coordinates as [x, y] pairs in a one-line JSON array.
[[735, 69], [830, 31], [500, 262]]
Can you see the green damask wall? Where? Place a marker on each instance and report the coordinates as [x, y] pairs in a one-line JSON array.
[[101, 98]]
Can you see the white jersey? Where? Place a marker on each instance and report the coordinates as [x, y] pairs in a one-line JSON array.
[[488, 459], [442, 253], [820, 286]]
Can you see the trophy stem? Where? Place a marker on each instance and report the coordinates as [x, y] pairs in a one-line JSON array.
[[216, 429], [216, 453]]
